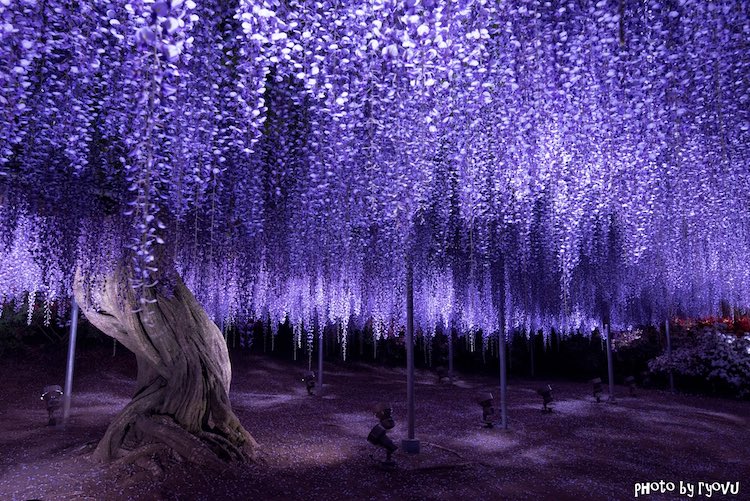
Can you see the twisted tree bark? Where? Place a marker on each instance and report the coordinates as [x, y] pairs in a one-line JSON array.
[[184, 373]]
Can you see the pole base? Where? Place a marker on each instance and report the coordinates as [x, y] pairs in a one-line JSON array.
[[410, 446]]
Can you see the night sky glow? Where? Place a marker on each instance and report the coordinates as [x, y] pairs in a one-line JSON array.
[[564, 158]]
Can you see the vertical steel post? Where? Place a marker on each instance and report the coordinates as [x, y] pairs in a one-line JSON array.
[[532, 335], [610, 368], [503, 382], [71, 360], [410, 349], [501, 349], [450, 354], [669, 355], [411, 444], [320, 360]]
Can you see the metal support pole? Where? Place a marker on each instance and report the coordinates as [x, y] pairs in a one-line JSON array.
[[71, 359], [610, 368], [503, 381], [532, 336], [501, 350], [320, 360], [669, 355], [450, 354], [410, 351], [411, 444]]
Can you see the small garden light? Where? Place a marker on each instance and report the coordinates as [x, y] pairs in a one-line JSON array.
[[645, 379], [52, 396], [546, 394], [487, 401], [597, 389], [378, 435], [441, 373], [309, 380], [630, 383]]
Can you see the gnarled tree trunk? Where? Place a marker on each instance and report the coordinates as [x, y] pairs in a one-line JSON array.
[[183, 373]]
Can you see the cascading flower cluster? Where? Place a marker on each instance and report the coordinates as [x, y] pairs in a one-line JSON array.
[[540, 165]]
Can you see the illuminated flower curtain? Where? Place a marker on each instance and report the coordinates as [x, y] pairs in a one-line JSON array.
[[577, 161]]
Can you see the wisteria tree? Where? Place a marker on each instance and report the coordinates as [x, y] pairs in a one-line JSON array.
[[540, 165]]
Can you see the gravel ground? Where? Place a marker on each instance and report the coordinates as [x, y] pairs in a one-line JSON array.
[[315, 447]]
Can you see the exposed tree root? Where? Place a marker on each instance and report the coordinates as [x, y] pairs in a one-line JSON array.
[[151, 440], [187, 445], [146, 457]]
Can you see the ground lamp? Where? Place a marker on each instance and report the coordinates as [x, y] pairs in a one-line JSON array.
[[596, 384], [52, 396], [309, 380], [546, 394], [378, 435], [441, 373], [645, 379], [630, 383], [487, 401]]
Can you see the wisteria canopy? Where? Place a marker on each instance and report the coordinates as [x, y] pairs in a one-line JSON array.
[[546, 163]]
